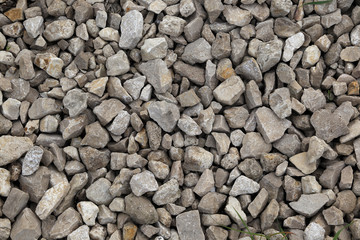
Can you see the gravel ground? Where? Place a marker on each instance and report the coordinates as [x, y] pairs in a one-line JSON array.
[[170, 119]]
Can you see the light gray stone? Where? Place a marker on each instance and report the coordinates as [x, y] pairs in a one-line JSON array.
[[131, 29]]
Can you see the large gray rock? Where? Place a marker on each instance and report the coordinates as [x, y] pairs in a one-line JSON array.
[[165, 114], [197, 52], [32, 160], [309, 205], [26, 226], [253, 145], [270, 126], [197, 159], [229, 91], [42, 107], [59, 29], [189, 226], [140, 209], [75, 101], [12, 148], [269, 54], [157, 74], [169, 192], [131, 29], [117, 64], [244, 185], [143, 182]]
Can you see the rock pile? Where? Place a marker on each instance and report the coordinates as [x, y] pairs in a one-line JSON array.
[[168, 119]]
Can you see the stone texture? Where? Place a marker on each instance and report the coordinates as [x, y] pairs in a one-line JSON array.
[[229, 91], [309, 205], [12, 148], [157, 110], [140, 209], [188, 225], [157, 74], [26, 224], [131, 29], [60, 29]]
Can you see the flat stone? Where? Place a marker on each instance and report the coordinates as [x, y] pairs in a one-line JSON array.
[[109, 34], [59, 29], [157, 74], [131, 29], [188, 98], [269, 215], [140, 209], [32, 160], [314, 231], [346, 201], [97, 86], [309, 205], [11, 109], [259, 203], [280, 102], [323, 120], [12, 148], [159, 109], [81, 233], [51, 199], [189, 226], [234, 211], [197, 159], [35, 184], [244, 185], [27, 225], [15, 203], [5, 186], [222, 142], [253, 95], [280, 8], [329, 178], [5, 228], [143, 182], [193, 73], [205, 184], [333, 216]]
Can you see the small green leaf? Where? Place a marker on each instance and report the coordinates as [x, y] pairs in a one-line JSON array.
[[318, 2], [336, 236]]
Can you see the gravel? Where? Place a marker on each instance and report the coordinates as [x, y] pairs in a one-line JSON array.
[[167, 119]]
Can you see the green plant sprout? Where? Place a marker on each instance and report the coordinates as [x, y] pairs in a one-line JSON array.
[[318, 2], [8, 48], [336, 236], [252, 235], [281, 232]]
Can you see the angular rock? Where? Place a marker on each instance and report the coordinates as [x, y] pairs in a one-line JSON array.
[[140, 209], [51, 199], [172, 26], [237, 16], [198, 51], [197, 159], [302, 162], [309, 205], [117, 64], [131, 29], [157, 74], [313, 99], [27, 224], [189, 226], [67, 222], [229, 91], [269, 125], [89, 211], [50, 63], [32, 160], [96, 136], [154, 48], [12, 148], [169, 192], [143, 182], [75, 101], [165, 114], [280, 102], [244, 185], [189, 126], [59, 29], [269, 54], [99, 193]]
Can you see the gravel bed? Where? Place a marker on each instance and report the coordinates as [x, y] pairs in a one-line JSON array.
[[174, 119]]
